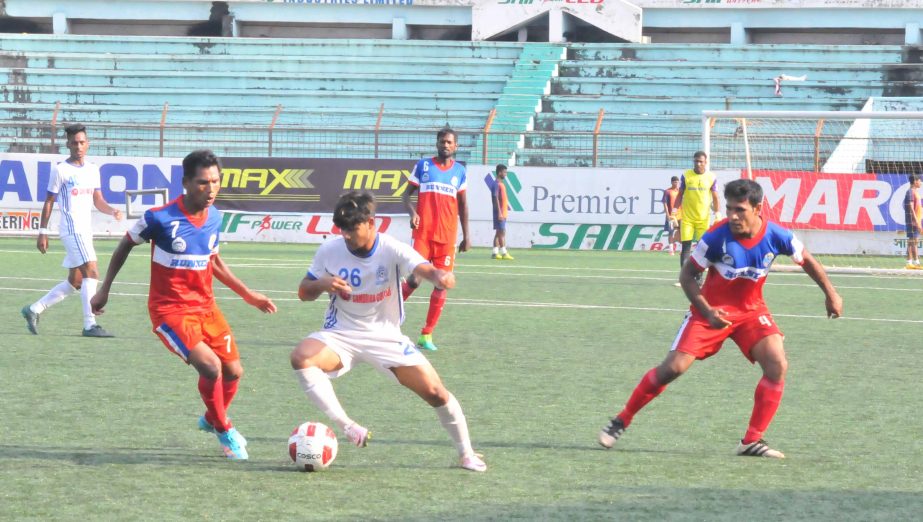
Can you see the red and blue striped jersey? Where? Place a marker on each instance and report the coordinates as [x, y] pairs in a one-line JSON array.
[[737, 267], [181, 250], [437, 203]]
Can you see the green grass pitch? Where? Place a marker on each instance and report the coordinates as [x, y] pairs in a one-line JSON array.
[[539, 351]]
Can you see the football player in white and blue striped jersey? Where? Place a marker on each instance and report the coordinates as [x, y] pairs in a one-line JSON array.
[[361, 271]]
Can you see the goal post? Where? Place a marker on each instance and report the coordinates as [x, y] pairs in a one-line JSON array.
[[132, 209], [838, 178]]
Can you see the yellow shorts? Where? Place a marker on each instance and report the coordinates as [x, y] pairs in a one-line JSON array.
[[692, 230]]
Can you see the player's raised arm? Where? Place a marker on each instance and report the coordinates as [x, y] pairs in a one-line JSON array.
[[832, 301], [223, 273], [439, 278], [119, 256]]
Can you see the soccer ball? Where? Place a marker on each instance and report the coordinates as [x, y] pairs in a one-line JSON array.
[[312, 446]]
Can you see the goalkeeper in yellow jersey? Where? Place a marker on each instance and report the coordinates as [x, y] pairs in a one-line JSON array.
[[698, 196]]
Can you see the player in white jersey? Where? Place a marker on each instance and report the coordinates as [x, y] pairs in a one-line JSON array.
[[75, 185], [362, 271]]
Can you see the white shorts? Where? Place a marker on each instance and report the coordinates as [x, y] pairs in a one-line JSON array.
[[78, 250], [382, 350]]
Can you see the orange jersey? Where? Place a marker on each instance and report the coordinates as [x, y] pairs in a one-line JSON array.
[[503, 204], [669, 199], [437, 203]]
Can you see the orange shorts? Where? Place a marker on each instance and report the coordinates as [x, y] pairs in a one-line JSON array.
[[697, 338], [441, 255], [182, 332]]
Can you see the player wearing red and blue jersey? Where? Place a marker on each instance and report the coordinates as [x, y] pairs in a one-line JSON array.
[[442, 203], [184, 237], [737, 253]]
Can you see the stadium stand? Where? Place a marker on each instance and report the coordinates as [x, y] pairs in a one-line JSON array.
[[541, 102], [653, 93]]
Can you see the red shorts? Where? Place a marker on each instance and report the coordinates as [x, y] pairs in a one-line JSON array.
[[697, 338], [441, 255], [182, 332]]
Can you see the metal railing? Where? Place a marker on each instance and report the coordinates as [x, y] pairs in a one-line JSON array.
[[634, 146]]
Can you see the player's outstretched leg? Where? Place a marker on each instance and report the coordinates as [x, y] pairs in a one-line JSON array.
[[647, 390], [453, 420], [318, 388]]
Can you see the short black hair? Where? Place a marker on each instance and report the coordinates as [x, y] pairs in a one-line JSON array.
[[700, 153], [353, 209], [744, 189], [501, 167], [74, 129], [447, 130], [674, 178], [913, 177], [198, 159]]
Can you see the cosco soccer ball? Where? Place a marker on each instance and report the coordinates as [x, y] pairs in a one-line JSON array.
[[312, 446]]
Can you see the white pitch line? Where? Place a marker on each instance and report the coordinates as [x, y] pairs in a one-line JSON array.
[[525, 304]]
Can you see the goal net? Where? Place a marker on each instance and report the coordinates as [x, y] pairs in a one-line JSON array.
[[838, 179]]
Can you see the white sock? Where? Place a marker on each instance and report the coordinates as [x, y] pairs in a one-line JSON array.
[[453, 420], [53, 297], [87, 291], [496, 250], [319, 389], [503, 251]]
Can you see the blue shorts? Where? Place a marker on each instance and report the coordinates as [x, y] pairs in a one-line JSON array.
[[500, 225], [912, 233], [668, 226]]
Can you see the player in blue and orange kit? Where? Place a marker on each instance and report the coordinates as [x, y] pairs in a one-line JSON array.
[[442, 204], [737, 252], [913, 213], [671, 211], [184, 236]]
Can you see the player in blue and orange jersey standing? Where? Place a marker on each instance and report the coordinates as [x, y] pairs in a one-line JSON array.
[[184, 236], [501, 207], [441, 205], [913, 214], [671, 211], [737, 252], [698, 195]]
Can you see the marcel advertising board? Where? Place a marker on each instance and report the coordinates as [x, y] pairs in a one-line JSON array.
[[839, 213]]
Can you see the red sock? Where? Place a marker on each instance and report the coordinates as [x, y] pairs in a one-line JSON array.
[[766, 401], [213, 397], [646, 390], [229, 390], [436, 304], [406, 290]]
